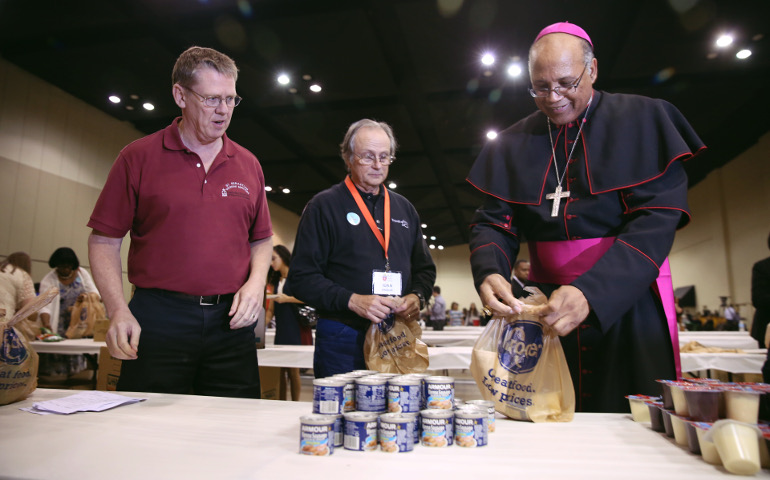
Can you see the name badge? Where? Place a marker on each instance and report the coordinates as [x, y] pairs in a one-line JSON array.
[[386, 283]]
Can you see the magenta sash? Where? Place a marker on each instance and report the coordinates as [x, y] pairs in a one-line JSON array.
[[561, 262]]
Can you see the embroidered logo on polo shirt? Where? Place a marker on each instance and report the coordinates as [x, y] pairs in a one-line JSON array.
[[520, 346], [235, 189], [403, 223]]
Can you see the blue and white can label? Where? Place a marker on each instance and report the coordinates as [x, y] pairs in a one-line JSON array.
[[371, 394], [349, 392], [471, 427], [439, 392], [437, 427], [490, 407], [396, 433], [361, 431], [316, 435], [404, 395], [328, 395]]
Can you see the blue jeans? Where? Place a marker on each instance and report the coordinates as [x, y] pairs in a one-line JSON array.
[[339, 348], [188, 348]]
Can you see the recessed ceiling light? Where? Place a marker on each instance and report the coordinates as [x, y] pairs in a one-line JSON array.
[[424, 225], [315, 88], [268, 188], [114, 98], [432, 247], [292, 90], [148, 106], [392, 185], [286, 190], [743, 54], [440, 247], [514, 70], [491, 134], [129, 107], [424, 237], [432, 237], [134, 96], [724, 41], [283, 79], [488, 59], [306, 77]]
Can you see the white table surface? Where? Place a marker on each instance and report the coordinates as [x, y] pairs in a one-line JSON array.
[[69, 346], [191, 437], [741, 340]]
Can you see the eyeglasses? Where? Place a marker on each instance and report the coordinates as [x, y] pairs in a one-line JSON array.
[[561, 90], [368, 158], [215, 101]]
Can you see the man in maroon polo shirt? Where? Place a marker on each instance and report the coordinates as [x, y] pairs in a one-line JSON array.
[[201, 243]]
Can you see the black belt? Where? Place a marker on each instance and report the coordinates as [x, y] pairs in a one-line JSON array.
[[199, 299]]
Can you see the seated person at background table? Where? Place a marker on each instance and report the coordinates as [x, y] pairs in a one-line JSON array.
[[437, 309], [455, 315], [201, 242], [73, 282], [472, 315], [520, 278], [598, 177], [16, 287], [359, 255]]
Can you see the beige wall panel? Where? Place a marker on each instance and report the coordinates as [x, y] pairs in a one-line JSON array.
[[9, 171], [65, 217], [23, 205], [44, 237], [34, 124], [284, 225], [12, 111], [53, 145], [72, 151]]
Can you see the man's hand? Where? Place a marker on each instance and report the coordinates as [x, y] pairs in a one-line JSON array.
[[409, 308], [566, 309], [495, 293], [373, 307], [123, 335], [247, 303]]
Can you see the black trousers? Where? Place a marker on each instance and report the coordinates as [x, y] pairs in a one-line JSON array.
[[188, 348]]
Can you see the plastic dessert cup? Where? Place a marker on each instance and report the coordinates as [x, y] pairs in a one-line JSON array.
[[677, 394], [703, 403], [692, 437], [678, 423], [656, 416], [639, 410], [738, 446], [742, 404], [707, 448], [667, 425], [665, 390]]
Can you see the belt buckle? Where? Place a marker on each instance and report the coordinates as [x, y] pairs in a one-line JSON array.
[[201, 302]]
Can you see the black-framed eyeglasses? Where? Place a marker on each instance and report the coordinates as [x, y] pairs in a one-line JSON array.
[[215, 101], [561, 90], [368, 158]]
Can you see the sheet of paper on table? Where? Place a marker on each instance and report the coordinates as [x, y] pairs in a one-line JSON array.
[[87, 401]]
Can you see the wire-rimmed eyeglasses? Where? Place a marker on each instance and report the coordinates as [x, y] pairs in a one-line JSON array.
[[368, 158], [214, 101], [561, 90]]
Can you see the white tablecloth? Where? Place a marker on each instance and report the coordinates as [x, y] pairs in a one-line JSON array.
[[190, 437], [741, 340], [69, 347]]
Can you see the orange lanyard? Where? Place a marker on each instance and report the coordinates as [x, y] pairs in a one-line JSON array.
[[370, 220]]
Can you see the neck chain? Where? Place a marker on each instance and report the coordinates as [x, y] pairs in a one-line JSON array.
[[560, 179]]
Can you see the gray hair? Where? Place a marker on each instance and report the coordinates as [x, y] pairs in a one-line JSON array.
[[588, 53], [347, 145]]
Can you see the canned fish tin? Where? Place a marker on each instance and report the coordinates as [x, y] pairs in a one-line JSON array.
[[361, 431], [339, 430], [490, 406], [415, 416], [437, 427], [348, 393], [328, 395], [471, 427], [396, 432], [404, 394], [439, 392], [371, 394], [316, 435], [422, 377], [363, 373]]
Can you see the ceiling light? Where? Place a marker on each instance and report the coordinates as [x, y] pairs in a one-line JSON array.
[[114, 98], [268, 188], [392, 185], [148, 106], [424, 225], [315, 88], [488, 59], [283, 79], [432, 237], [724, 41], [292, 90], [440, 247], [432, 247], [306, 77], [491, 134], [134, 96], [129, 107], [743, 54], [514, 70], [286, 190], [424, 237]]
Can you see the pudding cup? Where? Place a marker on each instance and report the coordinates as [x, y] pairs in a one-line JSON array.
[[665, 390], [707, 448], [703, 403], [677, 395], [738, 446], [678, 423], [656, 416], [692, 437], [639, 410], [742, 404], [668, 427]]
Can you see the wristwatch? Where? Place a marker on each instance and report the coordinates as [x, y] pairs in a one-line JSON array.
[[422, 299]]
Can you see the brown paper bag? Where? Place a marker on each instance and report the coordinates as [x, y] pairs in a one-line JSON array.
[[394, 346], [519, 364], [85, 313], [18, 361]]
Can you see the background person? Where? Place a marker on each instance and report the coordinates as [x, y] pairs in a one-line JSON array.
[[359, 255], [16, 286], [288, 330], [201, 241], [438, 310], [520, 278], [455, 315], [594, 181]]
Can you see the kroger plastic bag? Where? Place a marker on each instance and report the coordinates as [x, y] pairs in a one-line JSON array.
[[518, 363], [394, 346], [18, 361]]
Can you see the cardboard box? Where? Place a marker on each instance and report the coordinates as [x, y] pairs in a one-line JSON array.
[[100, 330], [108, 373], [269, 380]]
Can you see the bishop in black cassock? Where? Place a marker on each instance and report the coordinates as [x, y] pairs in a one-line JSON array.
[[616, 160]]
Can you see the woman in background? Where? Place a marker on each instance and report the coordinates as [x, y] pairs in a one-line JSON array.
[[72, 282], [472, 316], [288, 330], [16, 287], [455, 315]]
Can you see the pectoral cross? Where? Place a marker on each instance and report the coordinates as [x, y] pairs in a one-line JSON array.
[[556, 196]]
